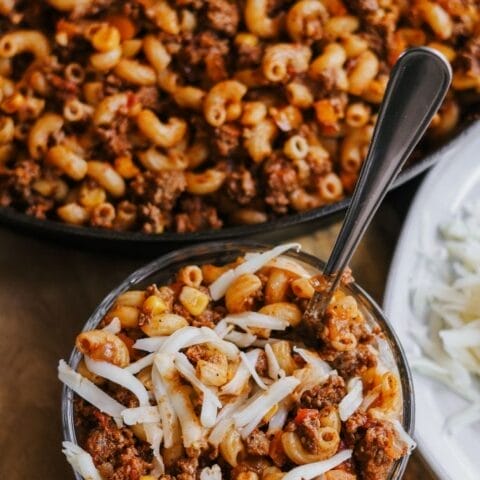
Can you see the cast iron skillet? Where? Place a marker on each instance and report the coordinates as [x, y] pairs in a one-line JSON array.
[[142, 244]]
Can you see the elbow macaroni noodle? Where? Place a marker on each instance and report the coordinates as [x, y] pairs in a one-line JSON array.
[[208, 113]]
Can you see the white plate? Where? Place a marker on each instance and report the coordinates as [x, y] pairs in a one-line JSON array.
[[454, 181]]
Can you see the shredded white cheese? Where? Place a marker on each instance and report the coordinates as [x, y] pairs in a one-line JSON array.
[[251, 415], [114, 326], [139, 365], [89, 391], [242, 340], [192, 430], [312, 470], [167, 413], [149, 344], [132, 416], [81, 461], [274, 370], [352, 400], [448, 299], [120, 376], [251, 368], [247, 320], [279, 419], [322, 367], [254, 263], [241, 376]]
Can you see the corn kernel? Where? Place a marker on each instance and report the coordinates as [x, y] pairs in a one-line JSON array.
[[193, 300], [154, 305]]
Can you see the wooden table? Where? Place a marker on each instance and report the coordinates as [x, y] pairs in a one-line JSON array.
[[47, 291]]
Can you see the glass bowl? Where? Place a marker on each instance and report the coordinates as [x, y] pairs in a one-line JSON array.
[[165, 267]]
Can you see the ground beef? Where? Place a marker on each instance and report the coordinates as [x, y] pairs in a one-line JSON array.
[[209, 318], [149, 97], [40, 208], [257, 443], [249, 56], [161, 188], [468, 59], [226, 139], [114, 138], [116, 452], [308, 430], [354, 362], [377, 450], [241, 186], [250, 464], [223, 16], [122, 395], [353, 427], [329, 393], [262, 364], [196, 215], [204, 53], [280, 179], [196, 353], [187, 468], [152, 219], [362, 7]]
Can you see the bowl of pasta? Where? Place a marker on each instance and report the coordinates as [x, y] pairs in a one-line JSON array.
[[159, 122], [199, 366]]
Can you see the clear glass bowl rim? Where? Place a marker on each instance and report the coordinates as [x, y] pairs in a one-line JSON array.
[[182, 256]]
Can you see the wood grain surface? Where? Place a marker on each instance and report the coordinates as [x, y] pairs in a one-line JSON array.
[[47, 292]]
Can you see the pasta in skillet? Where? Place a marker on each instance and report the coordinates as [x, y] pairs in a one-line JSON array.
[[156, 116]]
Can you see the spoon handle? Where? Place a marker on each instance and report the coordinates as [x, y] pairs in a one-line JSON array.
[[418, 84]]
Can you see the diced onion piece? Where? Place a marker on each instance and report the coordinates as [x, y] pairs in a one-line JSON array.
[[188, 372], [352, 400], [114, 326], [167, 413], [212, 473], [221, 284], [120, 376], [404, 436], [312, 470], [149, 344], [274, 370], [81, 461], [89, 391], [278, 420], [242, 340], [247, 320], [313, 359], [242, 374], [139, 365], [251, 415], [178, 394], [251, 368], [132, 416]]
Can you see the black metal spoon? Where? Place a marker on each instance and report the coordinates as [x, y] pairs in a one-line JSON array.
[[418, 84]]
